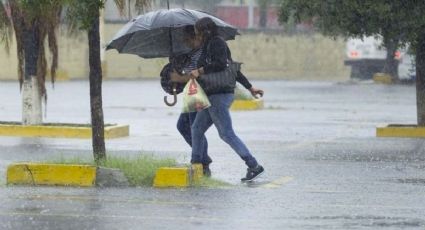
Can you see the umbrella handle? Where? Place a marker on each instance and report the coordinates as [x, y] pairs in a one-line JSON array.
[[174, 96]]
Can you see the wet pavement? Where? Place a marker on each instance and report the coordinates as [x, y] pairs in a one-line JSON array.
[[325, 169]]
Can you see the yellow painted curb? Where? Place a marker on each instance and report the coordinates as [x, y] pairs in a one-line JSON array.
[[61, 131], [177, 176], [382, 78], [51, 174], [400, 131], [247, 104], [171, 177]]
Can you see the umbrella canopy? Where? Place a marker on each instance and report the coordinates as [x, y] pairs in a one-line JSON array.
[[160, 33]]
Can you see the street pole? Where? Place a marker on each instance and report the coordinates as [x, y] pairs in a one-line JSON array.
[[251, 14]]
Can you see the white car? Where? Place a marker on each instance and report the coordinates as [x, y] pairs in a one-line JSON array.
[[367, 56]]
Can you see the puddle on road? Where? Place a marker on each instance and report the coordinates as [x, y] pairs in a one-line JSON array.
[[370, 221], [415, 181]]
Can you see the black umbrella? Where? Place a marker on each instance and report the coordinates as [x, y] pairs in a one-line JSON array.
[[160, 33]]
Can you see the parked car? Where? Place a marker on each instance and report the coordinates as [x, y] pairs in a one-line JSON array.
[[366, 56]]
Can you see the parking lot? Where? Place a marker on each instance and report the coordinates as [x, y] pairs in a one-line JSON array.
[[325, 169]]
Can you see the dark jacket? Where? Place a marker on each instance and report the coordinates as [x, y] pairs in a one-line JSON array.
[[214, 58], [214, 55]]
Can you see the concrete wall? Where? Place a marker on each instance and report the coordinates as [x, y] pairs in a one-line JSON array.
[[264, 56]]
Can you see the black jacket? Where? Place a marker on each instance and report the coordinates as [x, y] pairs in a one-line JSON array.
[[215, 54], [214, 58]]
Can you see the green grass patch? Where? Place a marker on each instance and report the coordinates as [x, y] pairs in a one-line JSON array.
[[139, 170]]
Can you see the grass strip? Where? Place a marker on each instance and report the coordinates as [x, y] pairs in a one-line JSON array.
[[139, 170]]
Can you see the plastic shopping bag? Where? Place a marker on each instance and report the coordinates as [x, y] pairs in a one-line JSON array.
[[194, 97]]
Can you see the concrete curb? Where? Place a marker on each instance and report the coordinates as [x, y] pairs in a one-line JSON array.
[[36, 174], [178, 177], [247, 104], [61, 131], [396, 130]]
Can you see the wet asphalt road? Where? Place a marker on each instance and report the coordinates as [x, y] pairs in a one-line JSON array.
[[325, 169]]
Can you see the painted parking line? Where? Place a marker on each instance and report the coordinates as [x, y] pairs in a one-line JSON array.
[[278, 182]]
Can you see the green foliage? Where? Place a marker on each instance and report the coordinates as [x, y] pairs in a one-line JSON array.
[[5, 27], [81, 14], [139, 170], [394, 20], [41, 18]]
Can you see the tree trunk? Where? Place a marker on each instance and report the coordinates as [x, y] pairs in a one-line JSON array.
[[391, 64], [31, 95], [98, 140], [420, 80]]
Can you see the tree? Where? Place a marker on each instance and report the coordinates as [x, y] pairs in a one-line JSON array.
[[401, 22], [33, 22], [84, 14], [353, 19]]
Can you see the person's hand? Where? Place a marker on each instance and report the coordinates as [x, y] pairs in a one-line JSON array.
[[174, 76], [195, 74], [254, 92]]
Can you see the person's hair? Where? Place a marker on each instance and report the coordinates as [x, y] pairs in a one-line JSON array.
[[189, 32], [207, 28]]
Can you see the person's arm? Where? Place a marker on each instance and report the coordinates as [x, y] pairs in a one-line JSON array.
[[254, 92], [240, 77], [175, 77], [245, 82]]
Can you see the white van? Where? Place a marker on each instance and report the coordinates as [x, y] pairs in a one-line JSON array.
[[367, 56]]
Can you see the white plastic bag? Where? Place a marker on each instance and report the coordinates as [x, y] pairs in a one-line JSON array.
[[194, 97]]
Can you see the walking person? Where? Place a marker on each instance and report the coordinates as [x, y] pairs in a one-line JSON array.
[[214, 58], [177, 71], [181, 74]]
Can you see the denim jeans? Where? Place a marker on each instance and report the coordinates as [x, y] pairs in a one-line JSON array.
[[219, 115], [184, 124]]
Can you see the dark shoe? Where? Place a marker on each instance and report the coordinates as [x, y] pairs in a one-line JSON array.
[[206, 170], [253, 173]]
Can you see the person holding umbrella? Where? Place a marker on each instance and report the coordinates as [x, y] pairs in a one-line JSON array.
[[181, 74], [159, 33], [214, 58]]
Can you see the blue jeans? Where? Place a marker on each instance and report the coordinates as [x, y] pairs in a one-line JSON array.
[[219, 115], [184, 127]]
